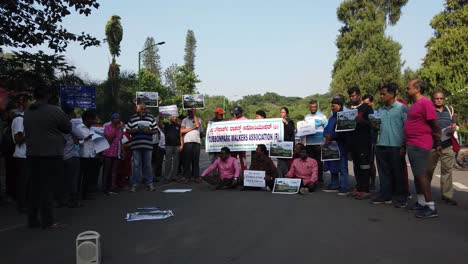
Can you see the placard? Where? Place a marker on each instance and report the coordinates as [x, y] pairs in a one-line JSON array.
[[150, 99], [375, 119], [78, 96], [243, 135], [169, 110], [190, 101], [100, 143], [305, 128], [330, 152], [254, 178], [281, 149], [346, 120], [286, 186]]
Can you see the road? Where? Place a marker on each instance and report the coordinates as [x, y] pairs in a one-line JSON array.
[[236, 226]]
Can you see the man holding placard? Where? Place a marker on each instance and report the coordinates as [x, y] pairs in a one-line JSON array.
[[191, 130], [314, 141], [263, 163], [228, 168]]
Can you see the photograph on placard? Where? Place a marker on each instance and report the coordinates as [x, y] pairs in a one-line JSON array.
[[346, 120], [330, 152], [286, 186], [190, 101], [150, 99], [281, 149], [168, 110]]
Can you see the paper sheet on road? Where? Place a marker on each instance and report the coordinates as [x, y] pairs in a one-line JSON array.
[[177, 190]]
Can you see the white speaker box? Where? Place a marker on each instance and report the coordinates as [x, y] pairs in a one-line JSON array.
[[88, 248]]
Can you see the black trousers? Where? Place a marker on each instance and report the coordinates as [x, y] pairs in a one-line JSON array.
[[361, 154], [315, 152], [41, 189], [191, 160], [89, 168], [158, 159], [22, 183]]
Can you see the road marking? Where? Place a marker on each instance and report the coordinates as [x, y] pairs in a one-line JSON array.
[[460, 186]]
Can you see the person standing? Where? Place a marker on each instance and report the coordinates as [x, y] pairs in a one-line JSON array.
[[360, 144], [171, 131], [191, 130], [71, 164], [448, 124], [239, 115], [422, 133], [314, 141], [369, 99], [44, 125], [142, 127], [89, 164], [389, 147], [219, 116], [114, 134], [17, 132], [288, 126]]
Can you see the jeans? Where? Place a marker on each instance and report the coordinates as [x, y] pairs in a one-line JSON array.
[[172, 162], [391, 176], [191, 160], [141, 159], [341, 179]]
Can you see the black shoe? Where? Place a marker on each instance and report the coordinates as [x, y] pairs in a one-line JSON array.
[[426, 212], [381, 200], [416, 207], [449, 200], [400, 204]]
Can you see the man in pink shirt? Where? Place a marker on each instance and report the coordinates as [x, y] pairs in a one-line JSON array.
[[306, 169], [422, 131], [113, 133], [228, 171]]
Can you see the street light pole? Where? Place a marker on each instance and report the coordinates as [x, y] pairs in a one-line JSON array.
[[139, 61]]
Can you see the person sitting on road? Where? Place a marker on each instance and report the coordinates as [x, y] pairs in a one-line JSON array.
[[228, 168], [306, 169], [263, 163]]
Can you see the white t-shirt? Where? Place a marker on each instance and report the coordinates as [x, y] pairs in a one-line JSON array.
[[194, 135], [17, 127]]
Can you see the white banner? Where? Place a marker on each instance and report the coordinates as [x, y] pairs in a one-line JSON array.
[[254, 178], [243, 135]]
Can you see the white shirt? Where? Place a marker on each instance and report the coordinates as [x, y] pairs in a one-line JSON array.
[[18, 127], [194, 135], [87, 148], [162, 139]]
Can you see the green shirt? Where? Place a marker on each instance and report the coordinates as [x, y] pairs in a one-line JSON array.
[[391, 126]]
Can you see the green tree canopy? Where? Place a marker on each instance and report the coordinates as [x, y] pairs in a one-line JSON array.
[[190, 47], [151, 59], [444, 67]]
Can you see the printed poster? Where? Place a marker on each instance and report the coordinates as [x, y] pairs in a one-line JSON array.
[[169, 110], [286, 186], [330, 152], [150, 99], [346, 120], [281, 149], [190, 101], [254, 178]]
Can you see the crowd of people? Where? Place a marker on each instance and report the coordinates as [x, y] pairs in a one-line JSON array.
[[51, 160]]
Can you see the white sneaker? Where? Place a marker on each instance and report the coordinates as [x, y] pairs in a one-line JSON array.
[[133, 189]]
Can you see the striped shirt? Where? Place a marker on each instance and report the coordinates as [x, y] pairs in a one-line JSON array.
[[141, 140]]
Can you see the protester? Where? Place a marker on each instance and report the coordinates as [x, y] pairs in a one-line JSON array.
[[124, 165], [260, 114], [71, 165], [422, 133], [360, 144], [219, 112], [239, 115], [17, 132], [8, 148], [114, 134], [43, 126], [228, 168], [448, 124], [192, 132], [389, 147], [338, 168], [157, 157], [314, 141], [171, 131], [89, 164], [288, 126], [369, 99], [306, 169], [263, 163], [142, 127]]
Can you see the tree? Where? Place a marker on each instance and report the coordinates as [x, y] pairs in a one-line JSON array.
[[151, 59], [185, 80], [114, 34], [190, 47], [366, 57], [29, 23], [444, 67], [169, 80]]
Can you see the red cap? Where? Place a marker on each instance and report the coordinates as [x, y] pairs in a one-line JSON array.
[[219, 110]]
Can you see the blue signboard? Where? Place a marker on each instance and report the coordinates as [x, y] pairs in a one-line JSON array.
[[78, 96]]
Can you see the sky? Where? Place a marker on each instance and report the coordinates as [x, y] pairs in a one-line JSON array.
[[244, 47]]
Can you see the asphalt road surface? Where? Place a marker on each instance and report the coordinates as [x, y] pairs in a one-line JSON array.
[[233, 226]]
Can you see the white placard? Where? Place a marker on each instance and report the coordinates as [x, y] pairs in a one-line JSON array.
[[100, 143], [177, 190], [169, 110], [254, 178], [286, 186], [446, 133], [305, 128]]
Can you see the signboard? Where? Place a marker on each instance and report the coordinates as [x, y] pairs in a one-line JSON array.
[[281, 149], [190, 101], [286, 186], [330, 152], [254, 178], [78, 96], [346, 120], [150, 99], [169, 110], [305, 128], [243, 135]]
